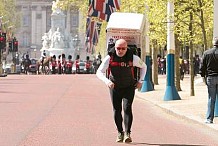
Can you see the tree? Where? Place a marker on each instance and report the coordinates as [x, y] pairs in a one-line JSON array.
[[192, 28], [7, 12], [193, 33]]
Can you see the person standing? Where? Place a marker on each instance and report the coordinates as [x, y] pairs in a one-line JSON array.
[[59, 64], [42, 60], [181, 68], [77, 61], [120, 62], [209, 71], [69, 65], [196, 64], [99, 55], [53, 65]]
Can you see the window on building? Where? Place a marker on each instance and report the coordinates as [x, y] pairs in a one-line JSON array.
[[75, 20], [25, 40], [26, 20], [38, 16]]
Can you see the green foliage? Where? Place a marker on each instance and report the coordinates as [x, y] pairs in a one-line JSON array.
[[7, 12], [183, 10], [81, 4], [157, 14]]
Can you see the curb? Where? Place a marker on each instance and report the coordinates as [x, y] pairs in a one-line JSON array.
[[182, 116]]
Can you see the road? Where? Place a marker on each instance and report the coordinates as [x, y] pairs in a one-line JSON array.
[[75, 110]]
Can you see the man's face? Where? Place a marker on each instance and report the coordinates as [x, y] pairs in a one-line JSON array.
[[121, 47]]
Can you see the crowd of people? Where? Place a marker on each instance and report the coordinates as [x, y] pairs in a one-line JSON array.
[[183, 65], [61, 64]]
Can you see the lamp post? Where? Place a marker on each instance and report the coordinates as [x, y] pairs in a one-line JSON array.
[[34, 53], [17, 58], [76, 42]]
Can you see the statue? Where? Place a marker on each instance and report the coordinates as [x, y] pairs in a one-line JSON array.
[[57, 39], [45, 39]]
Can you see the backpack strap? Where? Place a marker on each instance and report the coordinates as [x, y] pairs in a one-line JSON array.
[[132, 69], [109, 68], [111, 63]]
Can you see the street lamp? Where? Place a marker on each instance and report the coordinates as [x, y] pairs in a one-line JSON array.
[[76, 42], [17, 58], [34, 52]]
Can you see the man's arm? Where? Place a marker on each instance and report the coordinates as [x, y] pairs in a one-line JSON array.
[[140, 64], [102, 70], [203, 67]]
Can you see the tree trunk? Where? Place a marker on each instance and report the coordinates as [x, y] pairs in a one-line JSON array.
[[177, 69], [192, 91], [155, 65], [202, 24]]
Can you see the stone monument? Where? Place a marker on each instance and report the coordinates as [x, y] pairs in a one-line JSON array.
[[57, 40]]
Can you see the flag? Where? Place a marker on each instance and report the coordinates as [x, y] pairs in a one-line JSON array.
[[91, 36], [88, 20], [96, 32], [92, 31], [95, 13], [99, 5], [108, 11], [101, 9], [114, 3]]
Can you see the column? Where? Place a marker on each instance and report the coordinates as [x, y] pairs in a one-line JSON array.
[[34, 27], [68, 20], [147, 84], [171, 91], [43, 24]]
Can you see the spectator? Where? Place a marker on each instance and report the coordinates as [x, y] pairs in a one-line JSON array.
[[209, 70]]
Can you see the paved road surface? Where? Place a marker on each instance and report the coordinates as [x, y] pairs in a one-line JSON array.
[[75, 110]]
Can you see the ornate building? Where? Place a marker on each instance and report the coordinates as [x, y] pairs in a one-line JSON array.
[[35, 20]]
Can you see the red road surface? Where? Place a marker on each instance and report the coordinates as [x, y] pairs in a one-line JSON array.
[[75, 110]]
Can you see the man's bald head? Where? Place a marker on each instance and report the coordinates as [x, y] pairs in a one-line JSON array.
[[121, 42], [121, 47]]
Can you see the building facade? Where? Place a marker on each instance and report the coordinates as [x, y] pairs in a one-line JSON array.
[[35, 20]]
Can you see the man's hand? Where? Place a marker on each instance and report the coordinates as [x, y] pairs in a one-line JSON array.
[[110, 85], [138, 85], [204, 80]]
